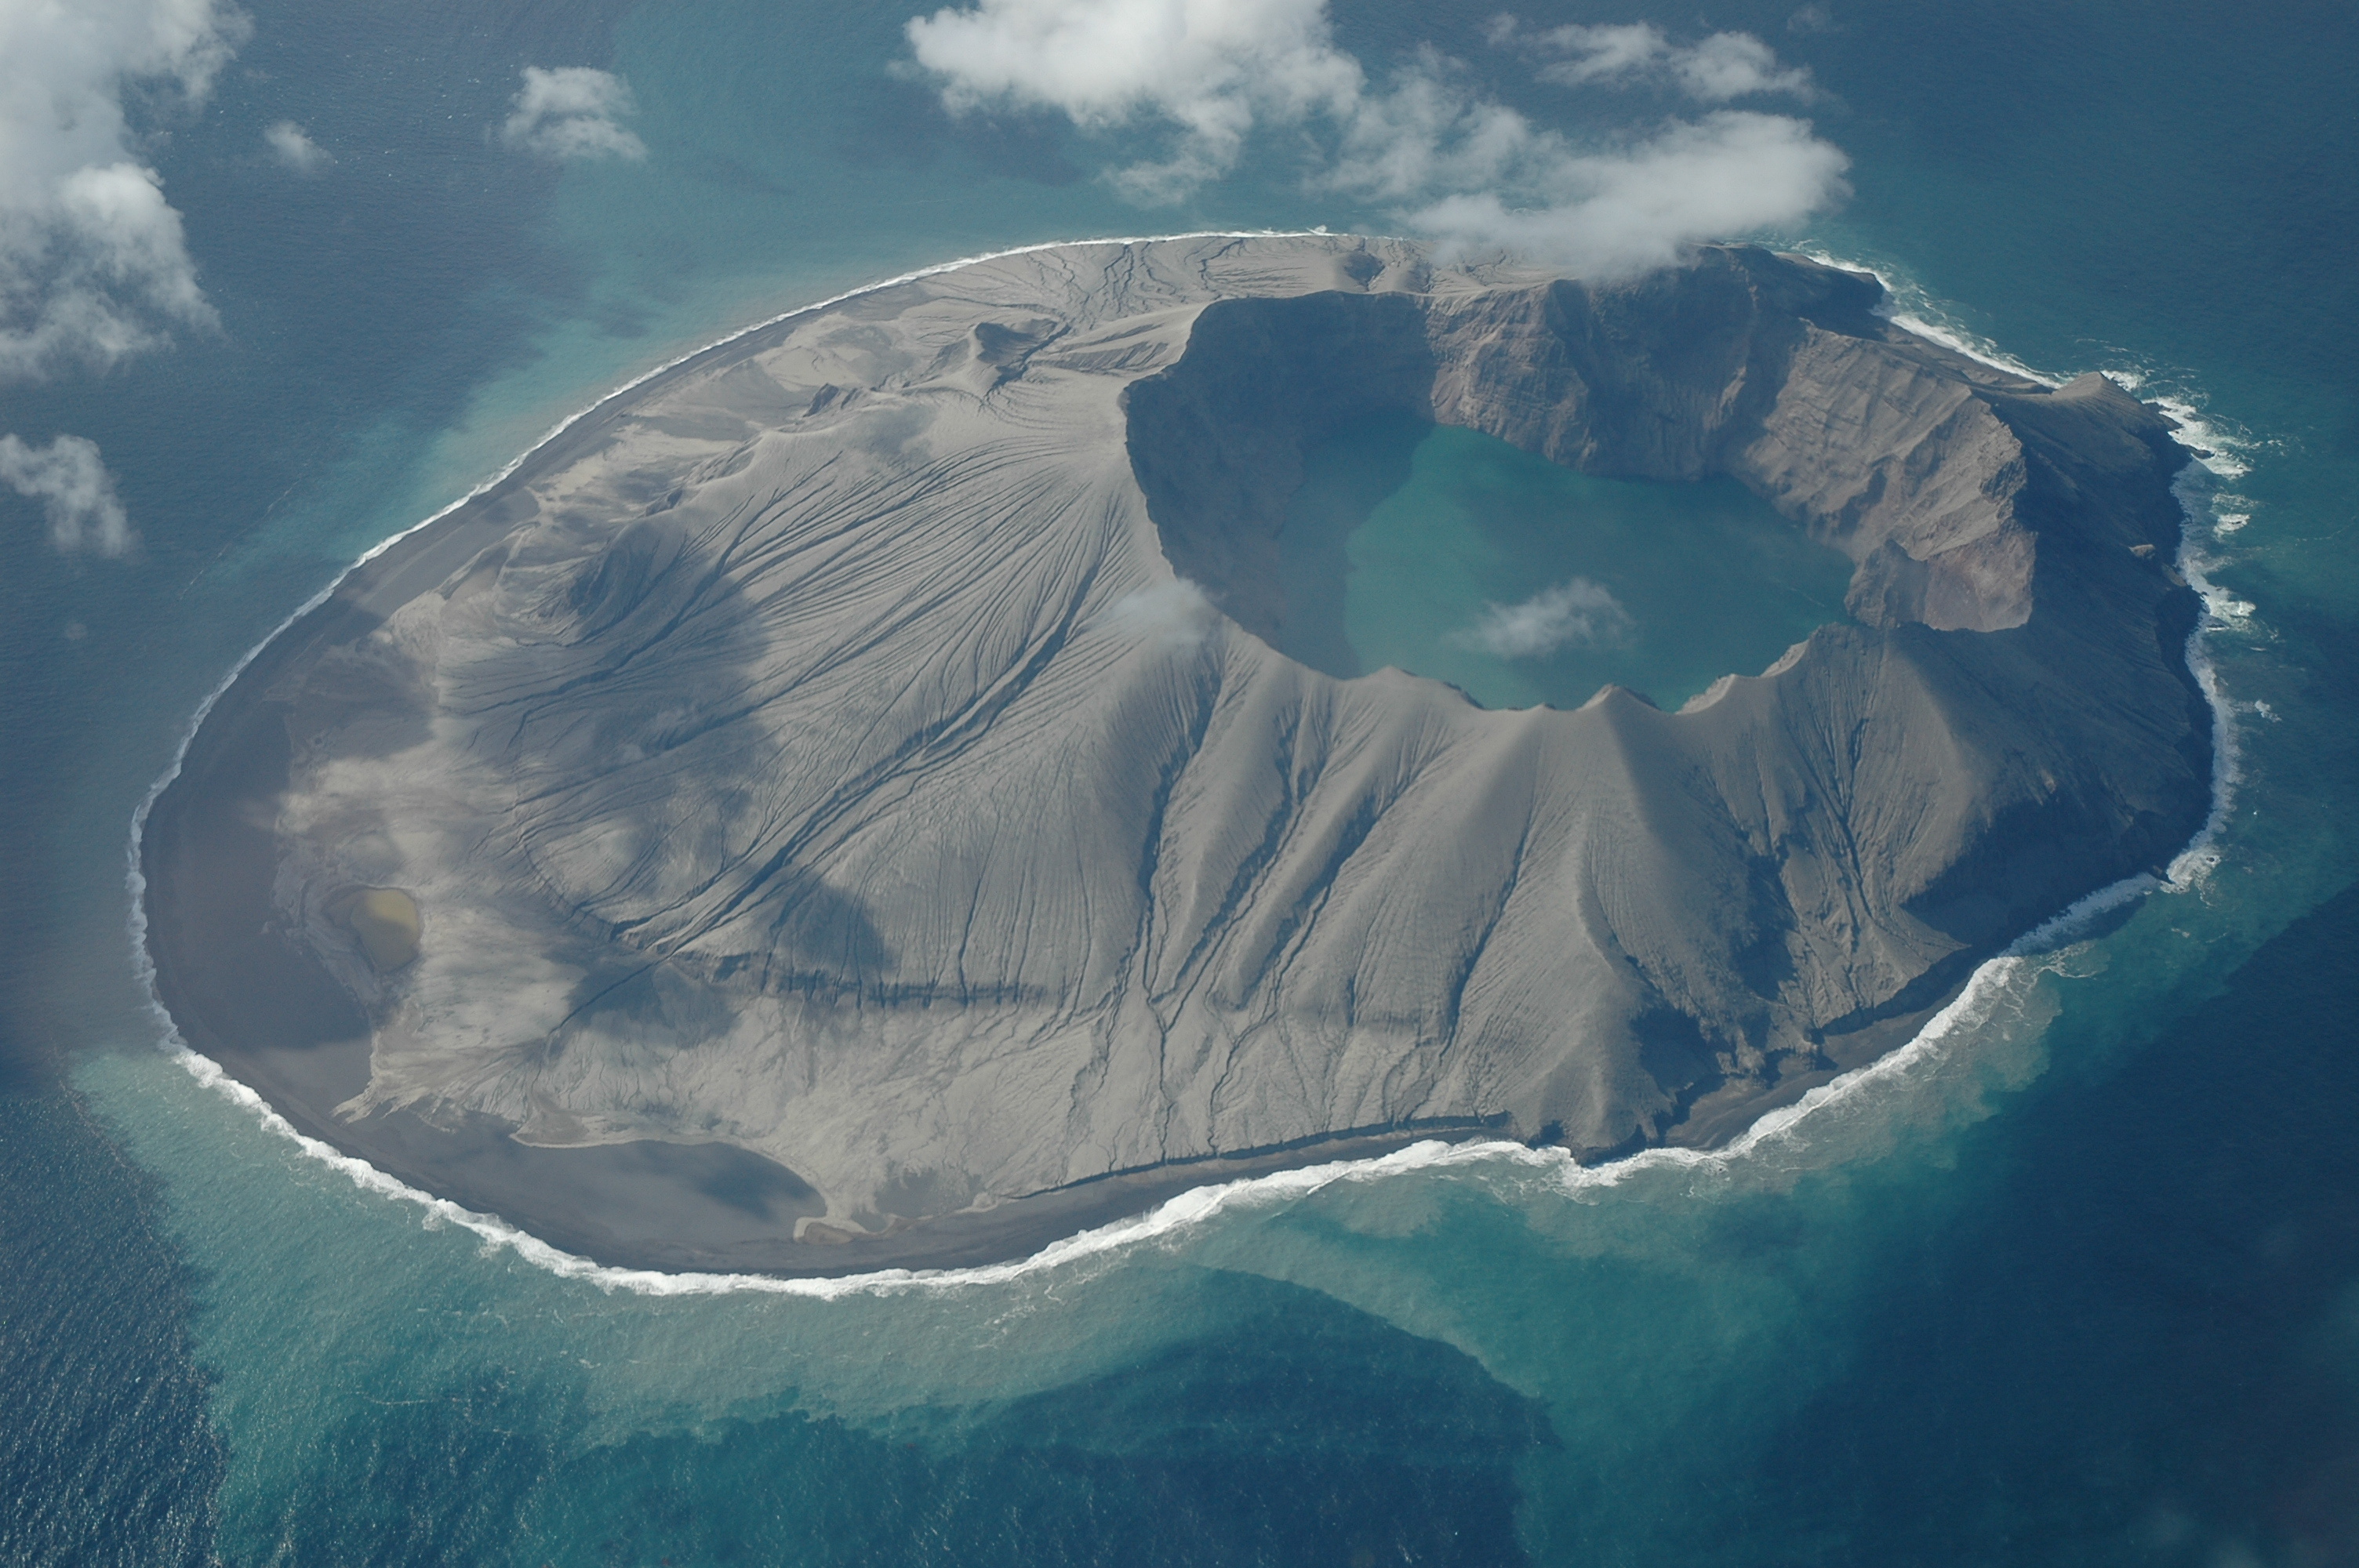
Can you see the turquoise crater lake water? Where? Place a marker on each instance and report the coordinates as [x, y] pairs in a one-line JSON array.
[[1450, 554]]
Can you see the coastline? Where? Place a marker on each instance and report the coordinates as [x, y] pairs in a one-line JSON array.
[[317, 1072]]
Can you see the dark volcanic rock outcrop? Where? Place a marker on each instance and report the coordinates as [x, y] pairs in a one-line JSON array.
[[861, 749]]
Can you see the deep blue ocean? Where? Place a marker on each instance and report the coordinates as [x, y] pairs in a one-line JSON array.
[[2075, 1284]]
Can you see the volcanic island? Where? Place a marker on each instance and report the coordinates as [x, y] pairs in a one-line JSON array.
[[837, 804]]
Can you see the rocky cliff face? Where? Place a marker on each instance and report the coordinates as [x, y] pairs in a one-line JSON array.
[[1823, 848], [864, 747]]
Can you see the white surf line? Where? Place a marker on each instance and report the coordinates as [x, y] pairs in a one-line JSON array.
[[2216, 453], [1176, 1216], [1955, 339], [2192, 864], [496, 1231]]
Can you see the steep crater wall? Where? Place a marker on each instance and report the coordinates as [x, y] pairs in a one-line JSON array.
[[1935, 474], [2011, 545]]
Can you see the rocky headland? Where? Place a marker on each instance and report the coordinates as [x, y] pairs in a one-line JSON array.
[[837, 805]]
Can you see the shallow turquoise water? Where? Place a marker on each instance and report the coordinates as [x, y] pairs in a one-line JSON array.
[[2077, 1288], [1452, 554]]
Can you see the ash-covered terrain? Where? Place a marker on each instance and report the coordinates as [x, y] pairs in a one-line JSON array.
[[837, 804]]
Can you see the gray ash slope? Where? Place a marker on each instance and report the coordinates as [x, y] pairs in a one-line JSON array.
[[863, 747]]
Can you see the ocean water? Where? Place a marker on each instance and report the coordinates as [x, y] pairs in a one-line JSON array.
[[2073, 1280], [1452, 555]]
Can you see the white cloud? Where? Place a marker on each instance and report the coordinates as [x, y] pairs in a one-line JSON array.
[[297, 150], [1579, 613], [1722, 67], [573, 111], [1736, 65], [1631, 210], [1213, 69], [1460, 167], [74, 488], [1474, 175], [93, 264], [1601, 52], [1427, 131]]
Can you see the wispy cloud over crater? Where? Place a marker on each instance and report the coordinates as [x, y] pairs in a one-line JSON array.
[[1575, 614]]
